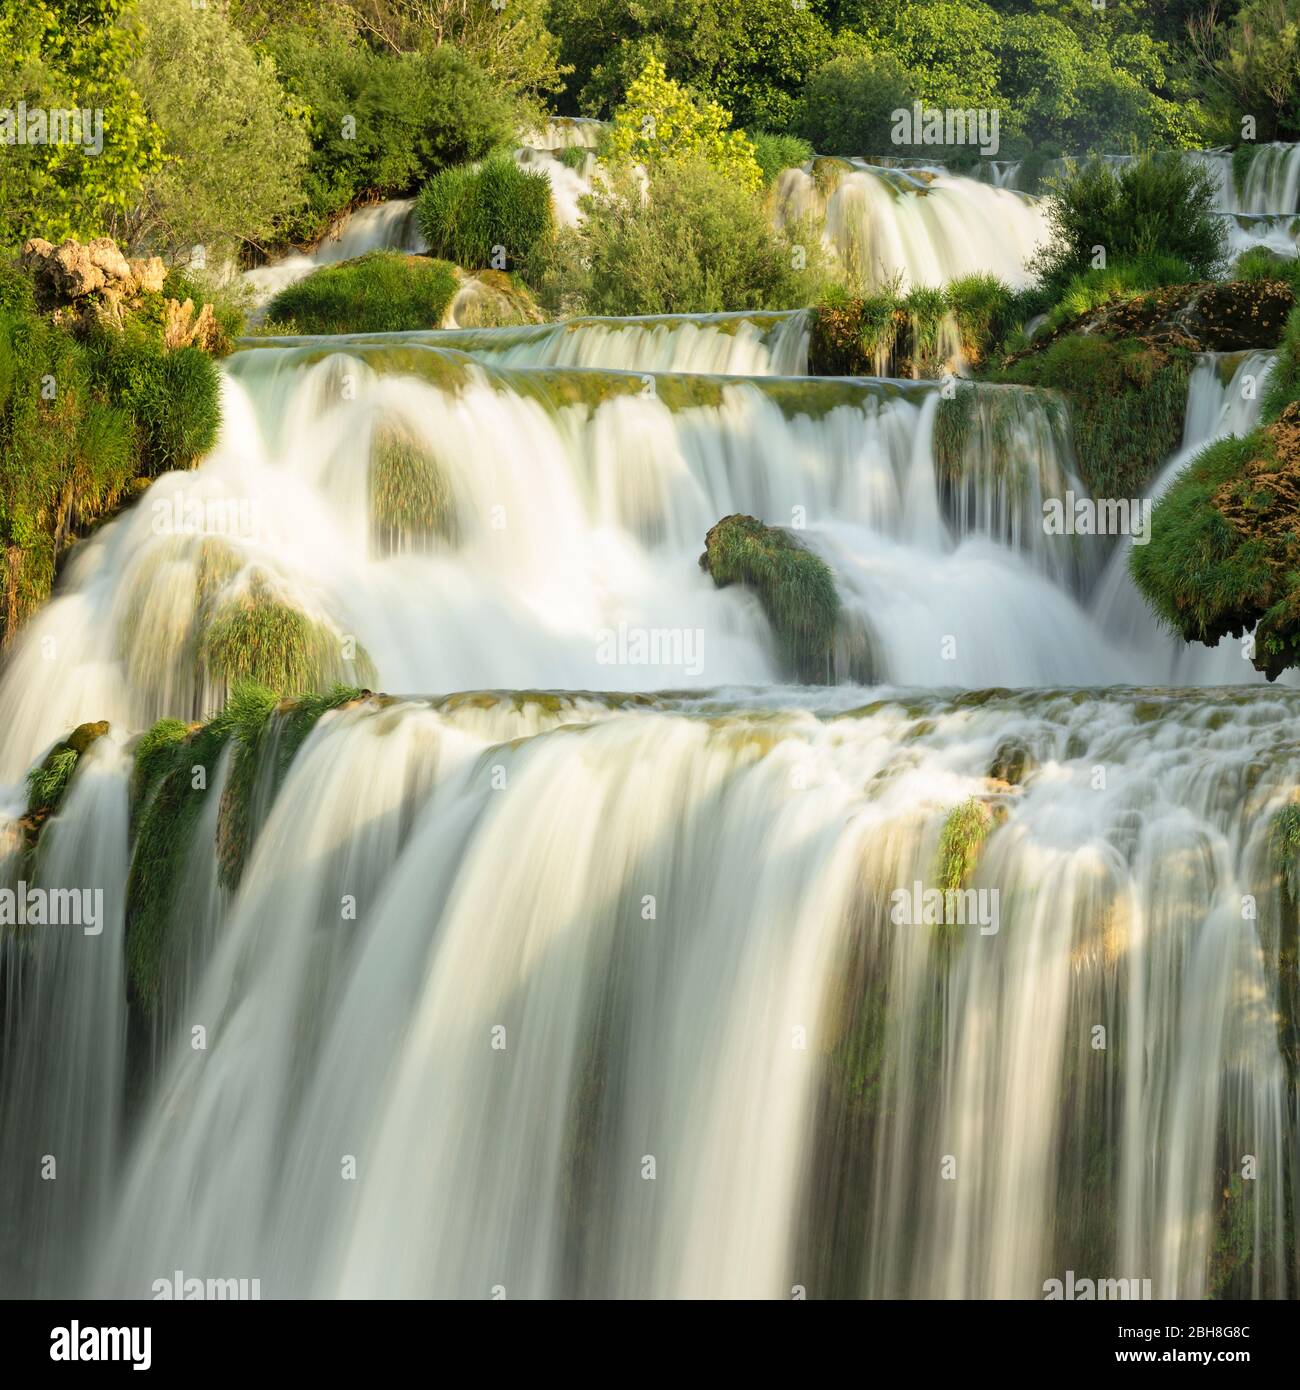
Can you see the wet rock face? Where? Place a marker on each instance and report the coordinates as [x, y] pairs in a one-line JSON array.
[[1208, 317], [73, 271]]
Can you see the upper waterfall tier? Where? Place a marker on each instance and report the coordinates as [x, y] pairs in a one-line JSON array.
[[441, 523]]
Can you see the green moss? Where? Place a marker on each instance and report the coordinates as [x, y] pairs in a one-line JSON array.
[[48, 782], [1126, 403], [795, 587], [182, 772], [381, 292], [963, 834], [176, 766]]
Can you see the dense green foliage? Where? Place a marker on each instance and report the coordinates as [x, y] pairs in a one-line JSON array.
[[235, 174], [496, 215], [381, 124], [65, 55], [380, 292]]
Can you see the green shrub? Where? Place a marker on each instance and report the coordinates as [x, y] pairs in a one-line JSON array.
[[380, 292], [777, 152], [174, 397], [698, 243], [965, 829], [381, 124], [1154, 207], [466, 213], [983, 306]]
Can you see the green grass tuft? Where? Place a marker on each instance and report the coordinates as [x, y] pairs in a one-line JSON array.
[[380, 292]]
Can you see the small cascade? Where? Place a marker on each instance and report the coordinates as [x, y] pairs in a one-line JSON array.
[[911, 226], [380, 227], [744, 344], [1223, 394]]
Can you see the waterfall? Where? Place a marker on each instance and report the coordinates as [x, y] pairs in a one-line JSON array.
[[632, 984], [566, 971]]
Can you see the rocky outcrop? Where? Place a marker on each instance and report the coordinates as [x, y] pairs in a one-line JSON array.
[[74, 271], [490, 299], [1211, 316]]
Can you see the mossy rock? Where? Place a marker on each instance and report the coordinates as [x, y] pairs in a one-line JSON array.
[[1224, 557], [1012, 762], [491, 299], [794, 586], [256, 635], [48, 782]]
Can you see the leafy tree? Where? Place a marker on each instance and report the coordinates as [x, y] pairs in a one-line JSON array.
[[1251, 66], [751, 55], [660, 121], [950, 46], [64, 55], [233, 175], [847, 105]]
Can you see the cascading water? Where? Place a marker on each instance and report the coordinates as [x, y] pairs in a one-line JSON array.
[[615, 993]]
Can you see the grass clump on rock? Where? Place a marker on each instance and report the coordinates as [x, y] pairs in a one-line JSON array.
[[411, 504], [794, 586], [255, 635], [964, 832], [380, 292]]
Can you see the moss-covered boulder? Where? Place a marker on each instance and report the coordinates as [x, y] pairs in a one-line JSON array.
[[795, 587], [1126, 402], [1224, 556], [491, 299]]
